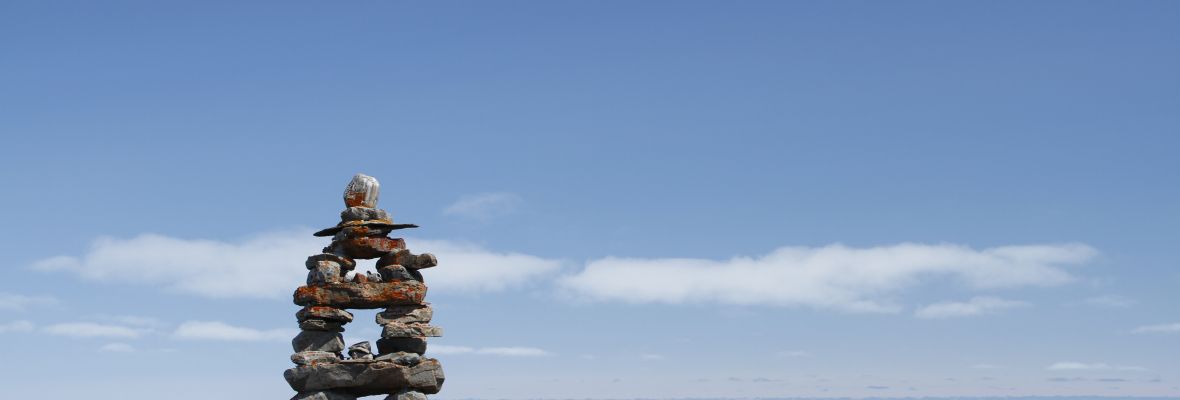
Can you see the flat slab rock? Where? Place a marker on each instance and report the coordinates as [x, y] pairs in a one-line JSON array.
[[368, 378], [367, 295]]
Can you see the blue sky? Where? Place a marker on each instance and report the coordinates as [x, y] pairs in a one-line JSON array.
[[655, 199]]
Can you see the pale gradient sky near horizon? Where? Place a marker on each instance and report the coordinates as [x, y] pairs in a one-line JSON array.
[[628, 199]]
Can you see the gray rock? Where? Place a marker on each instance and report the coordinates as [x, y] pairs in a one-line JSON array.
[[396, 345], [345, 263], [405, 314], [407, 259], [370, 378], [324, 312], [360, 351], [399, 273], [362, 191], [399, 330], [323, 395], [313, 324], [407, 395], [314, 357], [401, 358], [331, 342], [373, 277], [325, 272], [364, 214]]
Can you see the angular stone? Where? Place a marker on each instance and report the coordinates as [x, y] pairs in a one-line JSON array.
[[360, 351], [407, 259], [364, 214], [396, 345], [331, 342], [364, 379], [361, 295], [401, 358], [314, 357], [405, 314], [322, 312], [360, 278], [324, 273], [373, 277], [314, 324], [399, 330], [323, 395], [363, 231], [345, 263], [362, 191], [365, 247], [407, 395], [399, 273]]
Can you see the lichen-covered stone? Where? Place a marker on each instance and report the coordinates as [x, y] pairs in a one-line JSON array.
[[368, 378], [414, 345], [315, 324], [324, 273], [399, 330], [405, 314], [364, 214], [398, 273], [345, 263], [323, 312], [365, 247], [362, 191], [331, 342], [314, 357], [361, 295], [407, 259]]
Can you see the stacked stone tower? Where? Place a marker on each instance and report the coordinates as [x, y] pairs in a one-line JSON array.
[[398, 369]]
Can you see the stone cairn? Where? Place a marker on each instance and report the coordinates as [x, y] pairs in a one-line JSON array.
[[398, 369]]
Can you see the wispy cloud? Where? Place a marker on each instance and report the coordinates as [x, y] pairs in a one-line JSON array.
[[20, 302], [270, 265], [975, 306], [16, 326], [833, 277], [1075, 366], [488, 351], [1161, 328], [484, 206], [217, 330], [117, 348], [91, 329], [1109, 301]]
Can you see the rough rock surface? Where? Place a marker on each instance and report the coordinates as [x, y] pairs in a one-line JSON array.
[[406, 395], [323, 395], [325, 273], [398, 273], [360, 351], [365, 247], [346, 264], [399, 330], [405, 314], [361, 295], [322, 312], [401, 358], [364, 214], [396, 345], [362, 191], [312, 324], [368, 378], [407, 259], [332, 342], [314, 357]]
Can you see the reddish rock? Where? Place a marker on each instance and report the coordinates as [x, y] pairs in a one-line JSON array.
[[366, 247], [361, 295], [367, 378]]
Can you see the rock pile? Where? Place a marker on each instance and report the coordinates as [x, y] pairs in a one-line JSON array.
[[398, 369]]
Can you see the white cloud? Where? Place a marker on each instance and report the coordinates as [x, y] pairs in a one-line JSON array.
[[19, 302], [117, 348], [1161, 328], [90, 329], [1076, 366], [1110, 301], [487, 351], [16, 326], [271, 265], [834, 276], [484, 206], [217, 330], [976, 306]]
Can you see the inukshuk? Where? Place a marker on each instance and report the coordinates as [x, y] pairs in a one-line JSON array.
[[398, 369]]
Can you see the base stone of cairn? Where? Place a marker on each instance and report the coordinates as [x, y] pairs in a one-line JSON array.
[[398, 370]]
